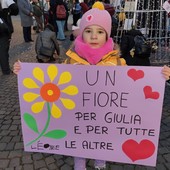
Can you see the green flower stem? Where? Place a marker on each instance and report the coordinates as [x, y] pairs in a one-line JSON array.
[[45, 128]]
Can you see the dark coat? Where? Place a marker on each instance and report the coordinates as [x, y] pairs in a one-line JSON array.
[[25, 8], [6, 13], [127, 43], [49, 39]]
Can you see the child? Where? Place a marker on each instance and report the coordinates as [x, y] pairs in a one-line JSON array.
[[94, 47]]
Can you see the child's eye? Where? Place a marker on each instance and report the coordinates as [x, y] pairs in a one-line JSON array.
[[101, 32], [88, 31]]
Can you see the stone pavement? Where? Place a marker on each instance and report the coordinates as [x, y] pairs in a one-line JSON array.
[[12, 155]]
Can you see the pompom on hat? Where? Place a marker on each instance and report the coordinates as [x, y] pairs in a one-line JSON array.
[[98, 5], [98, 17]]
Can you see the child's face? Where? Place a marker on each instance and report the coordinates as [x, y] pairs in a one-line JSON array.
[[95, 36]]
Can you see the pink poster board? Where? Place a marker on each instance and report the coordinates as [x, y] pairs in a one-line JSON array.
[[97, 112]]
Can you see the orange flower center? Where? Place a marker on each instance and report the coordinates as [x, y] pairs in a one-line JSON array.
[[50, 92]]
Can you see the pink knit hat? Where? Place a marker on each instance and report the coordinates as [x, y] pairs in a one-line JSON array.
[[98, 17]]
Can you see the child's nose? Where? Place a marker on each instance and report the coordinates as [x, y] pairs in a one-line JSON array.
[[94, 35]]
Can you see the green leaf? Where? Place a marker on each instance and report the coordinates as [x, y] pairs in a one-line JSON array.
[[31, 122], [56, 134]]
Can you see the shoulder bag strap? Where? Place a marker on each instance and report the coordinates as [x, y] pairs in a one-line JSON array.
[[41, 40]]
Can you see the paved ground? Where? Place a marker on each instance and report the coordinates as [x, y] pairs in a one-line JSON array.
[[12, 155]]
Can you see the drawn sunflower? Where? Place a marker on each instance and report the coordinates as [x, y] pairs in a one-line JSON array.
[[48, 93]]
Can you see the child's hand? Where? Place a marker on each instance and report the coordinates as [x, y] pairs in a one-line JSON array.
[[166, 72], [17, 67]]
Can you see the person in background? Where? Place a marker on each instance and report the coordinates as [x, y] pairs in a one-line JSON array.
[[47, 38], [84, 6], [26, 14], [76, 11], [38, 13], [52, 16], [46, 7], [60, 21], [7, 8], [67, 15], [126, 47]]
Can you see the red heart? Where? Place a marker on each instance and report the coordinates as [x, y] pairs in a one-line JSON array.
[[89, 17], [135, 74], [149, 94], [135, 151]]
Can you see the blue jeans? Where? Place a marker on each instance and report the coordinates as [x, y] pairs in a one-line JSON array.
[[60, 25]]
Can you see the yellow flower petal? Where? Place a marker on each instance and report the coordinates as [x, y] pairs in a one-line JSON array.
[[39, 74], [55, 111], [29, 97], [30, 83], [37, 107], [52, 72], [68, 103], [70, 90], [65, 77]]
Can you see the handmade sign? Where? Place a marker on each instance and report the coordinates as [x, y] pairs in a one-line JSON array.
[[106, 113]]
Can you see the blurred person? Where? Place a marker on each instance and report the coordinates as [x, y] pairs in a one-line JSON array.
[[38, 14], [76, 11], [47, 39], [26, 14], [7, 8], [60, 20], [52, 17], [127, 50], [46, 7], [67, 15], [84, 6]]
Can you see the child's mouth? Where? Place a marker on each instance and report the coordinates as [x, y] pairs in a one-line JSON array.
[[94, 44]]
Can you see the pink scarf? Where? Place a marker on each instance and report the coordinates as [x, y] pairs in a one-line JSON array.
[[93, 56]]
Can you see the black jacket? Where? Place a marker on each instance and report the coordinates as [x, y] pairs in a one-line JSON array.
[[127, 43], [6, 15]]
